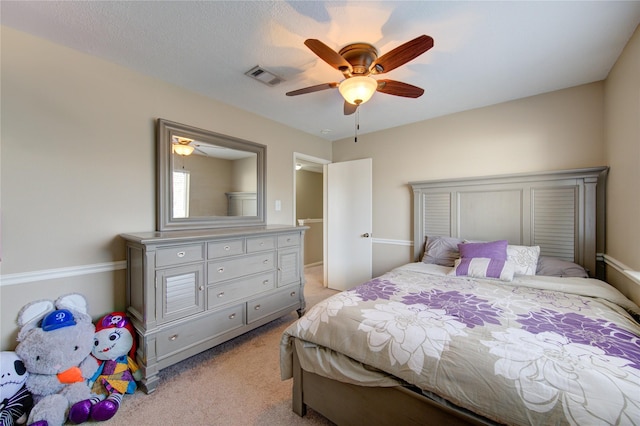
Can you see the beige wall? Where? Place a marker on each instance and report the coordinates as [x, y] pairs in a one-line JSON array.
[[210, 178], [78, 167], [622, 153], [244, 174], [308, 195], [553, 131], [78, 161], [309, 205]]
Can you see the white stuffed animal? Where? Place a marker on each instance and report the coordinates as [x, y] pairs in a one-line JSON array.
[[15, 399], [55, 342]]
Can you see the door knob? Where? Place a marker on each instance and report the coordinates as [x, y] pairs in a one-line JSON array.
[[366, 235]]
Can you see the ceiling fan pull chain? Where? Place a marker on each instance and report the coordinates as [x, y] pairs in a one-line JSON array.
[[357, 124]]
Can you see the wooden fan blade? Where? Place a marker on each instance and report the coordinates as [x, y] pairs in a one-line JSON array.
[[349, 108], [398, 88], [311, 89], [402, 54], [328, 55]]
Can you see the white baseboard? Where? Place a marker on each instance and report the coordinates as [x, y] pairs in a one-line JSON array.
[[70, 271]]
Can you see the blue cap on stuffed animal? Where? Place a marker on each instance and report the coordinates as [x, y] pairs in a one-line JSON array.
[[58, 319]]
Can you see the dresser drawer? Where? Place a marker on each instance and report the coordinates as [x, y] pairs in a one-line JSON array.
[[260, 244], [267, 305], [227, 269], [240, 289], [225, 248], [181, 337], [288, 240], [176, 255]]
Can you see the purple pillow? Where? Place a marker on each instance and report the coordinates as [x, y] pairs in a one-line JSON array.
[[493, 250]]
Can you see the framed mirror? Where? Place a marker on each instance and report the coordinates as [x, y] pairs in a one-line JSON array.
[[208, 180]]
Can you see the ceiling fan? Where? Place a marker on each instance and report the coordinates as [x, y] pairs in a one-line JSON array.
[[358, 61]]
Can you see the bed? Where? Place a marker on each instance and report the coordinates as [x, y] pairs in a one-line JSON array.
[[474, 333]]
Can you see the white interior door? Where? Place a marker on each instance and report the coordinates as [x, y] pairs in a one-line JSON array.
[[349, 223]]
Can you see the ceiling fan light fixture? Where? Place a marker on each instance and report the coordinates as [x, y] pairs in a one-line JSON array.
[[358, 90], [181, 146], [183, 149]]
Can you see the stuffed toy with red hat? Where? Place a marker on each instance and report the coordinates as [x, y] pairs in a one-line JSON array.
[[114, 346]]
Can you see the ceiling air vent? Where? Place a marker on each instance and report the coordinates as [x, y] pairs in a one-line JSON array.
[[263, 76]]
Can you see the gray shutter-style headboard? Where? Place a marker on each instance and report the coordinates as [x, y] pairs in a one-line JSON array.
[[560, 211]]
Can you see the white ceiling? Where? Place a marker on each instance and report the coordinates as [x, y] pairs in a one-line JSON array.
[[485, 52]]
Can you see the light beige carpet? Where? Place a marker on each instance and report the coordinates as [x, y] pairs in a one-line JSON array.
[[235, 383]]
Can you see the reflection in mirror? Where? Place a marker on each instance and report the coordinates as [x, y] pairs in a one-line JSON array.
[[207, 179], [213, 180]]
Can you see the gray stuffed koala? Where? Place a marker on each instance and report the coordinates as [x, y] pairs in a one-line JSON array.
[[55, 345]]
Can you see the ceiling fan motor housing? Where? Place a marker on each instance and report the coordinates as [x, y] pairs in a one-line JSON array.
[[360, 56]]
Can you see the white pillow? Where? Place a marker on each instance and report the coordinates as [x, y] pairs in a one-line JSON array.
[[523, 258]]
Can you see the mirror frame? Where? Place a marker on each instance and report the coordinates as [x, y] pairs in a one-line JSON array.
[[165, 221]]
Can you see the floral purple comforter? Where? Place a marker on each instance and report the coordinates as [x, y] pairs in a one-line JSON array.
[[537, 350]]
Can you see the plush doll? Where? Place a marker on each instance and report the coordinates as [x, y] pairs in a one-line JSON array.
[[15, 399], [55, 342], [115, 347]]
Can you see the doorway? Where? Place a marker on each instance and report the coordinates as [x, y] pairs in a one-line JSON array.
[[351, 181], [309, 199]]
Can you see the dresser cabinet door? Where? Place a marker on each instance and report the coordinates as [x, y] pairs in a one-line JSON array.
[[179, 292], [289, 271]]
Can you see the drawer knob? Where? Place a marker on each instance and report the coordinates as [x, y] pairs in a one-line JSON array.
[[293, 293], [288, 240], [181, 254], [261, 243], [221, 294], [232, 316], [174, 337], [201, 288], [221, 269], [265, 261], [227, 248], [257, 308], [265, 282]]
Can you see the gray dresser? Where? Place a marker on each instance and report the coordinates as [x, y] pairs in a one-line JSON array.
[[188, 291]]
